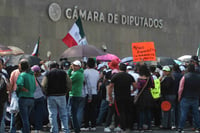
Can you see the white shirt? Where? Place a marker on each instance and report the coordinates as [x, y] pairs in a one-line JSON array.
[[91, 77]]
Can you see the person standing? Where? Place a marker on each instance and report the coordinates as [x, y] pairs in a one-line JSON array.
[[145, 102], [121, 83], [39, 100], [188, 96], [75, 95], [168, 93], [91, 77], [25, 90], [4, 86], [12, 91], [56, 84]]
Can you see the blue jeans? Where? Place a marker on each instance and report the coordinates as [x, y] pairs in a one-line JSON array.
[[77, 105], [25, 107], [102, 112], [12, 123], [185, 105], [168, 117], [57, 105]]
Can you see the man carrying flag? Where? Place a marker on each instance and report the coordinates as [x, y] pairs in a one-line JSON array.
[[76, 35], [36, 48]]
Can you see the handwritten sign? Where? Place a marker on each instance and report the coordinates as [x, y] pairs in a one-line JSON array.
[[143, 51]]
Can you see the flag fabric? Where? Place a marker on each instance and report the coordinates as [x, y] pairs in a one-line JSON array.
[[198, 50], [76, 35], [36, 48]]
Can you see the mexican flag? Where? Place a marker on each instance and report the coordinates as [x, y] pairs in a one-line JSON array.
[[36, 48], [76, 35]]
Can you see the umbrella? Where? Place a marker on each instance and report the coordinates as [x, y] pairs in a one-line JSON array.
[[165, 61], [15, 50], [4, 50], [82, 51], [107, 57], [185, 58], [126, 59], [14, 60]]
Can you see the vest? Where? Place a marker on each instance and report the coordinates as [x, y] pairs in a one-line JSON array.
[[192, 85], [56, 82], [155, 92]]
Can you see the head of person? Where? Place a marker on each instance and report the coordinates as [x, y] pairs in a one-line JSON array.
[[91, 63], [53, 65], [144, 71], [191, 68], [24, 65], [176, 68], [129, 68], [166, 70], [65, 65], [76, 65], [114, 64], [36, 69], [122, 67], [194, 59]]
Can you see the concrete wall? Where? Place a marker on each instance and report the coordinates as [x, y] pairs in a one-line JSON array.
[[22, 21]]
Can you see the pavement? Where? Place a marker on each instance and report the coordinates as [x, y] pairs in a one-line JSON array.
[[100, 129]]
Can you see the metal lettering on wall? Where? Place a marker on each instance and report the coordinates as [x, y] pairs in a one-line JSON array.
[[113, 18]]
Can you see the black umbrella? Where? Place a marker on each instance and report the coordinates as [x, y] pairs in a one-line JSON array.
[[14, 60], [163, 61]]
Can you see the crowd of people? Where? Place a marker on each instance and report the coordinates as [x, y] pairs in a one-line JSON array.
[[80, 96]]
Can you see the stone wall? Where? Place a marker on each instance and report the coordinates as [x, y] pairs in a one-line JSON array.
[[22, 21]]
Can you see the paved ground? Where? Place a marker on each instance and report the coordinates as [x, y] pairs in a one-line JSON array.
[[100, 129]]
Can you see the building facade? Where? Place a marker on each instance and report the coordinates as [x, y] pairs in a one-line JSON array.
[[173, 26]]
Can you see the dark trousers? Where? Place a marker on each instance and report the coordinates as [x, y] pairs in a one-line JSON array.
[[156, 112], [1, 110], [124, 109], [90, 113], [111, 112]]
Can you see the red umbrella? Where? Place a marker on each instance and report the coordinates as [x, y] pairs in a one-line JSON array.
[[107, 57]]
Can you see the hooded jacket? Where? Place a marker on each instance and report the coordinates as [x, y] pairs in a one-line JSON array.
[[77, 78]]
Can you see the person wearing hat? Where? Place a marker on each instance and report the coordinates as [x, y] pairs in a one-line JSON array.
[[39, 100], [76, 100], [168, 93], [114, 65], [56, 84]]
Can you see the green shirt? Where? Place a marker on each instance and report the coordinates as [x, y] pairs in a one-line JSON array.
[[77, 78], [26, 84]]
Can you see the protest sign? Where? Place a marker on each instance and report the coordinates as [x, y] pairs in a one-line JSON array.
[[143, 51]]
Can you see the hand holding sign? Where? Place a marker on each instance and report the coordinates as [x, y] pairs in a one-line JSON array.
[[143, 51]]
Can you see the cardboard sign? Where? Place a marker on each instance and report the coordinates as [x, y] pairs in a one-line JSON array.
[[143, 51]]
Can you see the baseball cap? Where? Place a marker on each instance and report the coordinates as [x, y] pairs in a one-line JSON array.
[[166, 68], [77, 63], [129, 67]]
